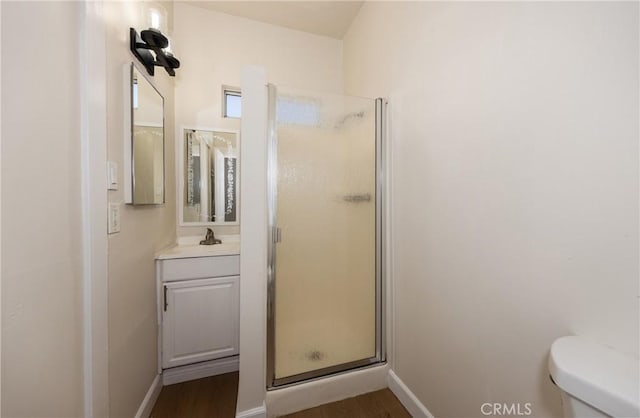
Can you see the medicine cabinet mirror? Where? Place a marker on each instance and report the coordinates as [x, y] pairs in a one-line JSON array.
[[210, 174], [144, 155]]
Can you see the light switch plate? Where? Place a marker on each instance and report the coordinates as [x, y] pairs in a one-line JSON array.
[[113, 225], [112, 175]]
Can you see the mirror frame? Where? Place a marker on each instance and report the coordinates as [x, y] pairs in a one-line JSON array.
[[180, 150], [129, 165]]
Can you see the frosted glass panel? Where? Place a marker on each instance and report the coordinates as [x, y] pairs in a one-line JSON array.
[[325, 292]]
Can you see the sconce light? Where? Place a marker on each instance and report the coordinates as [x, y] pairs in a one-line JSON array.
[[153, 40]]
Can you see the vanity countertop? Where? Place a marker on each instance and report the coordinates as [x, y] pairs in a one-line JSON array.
[[189, 247]]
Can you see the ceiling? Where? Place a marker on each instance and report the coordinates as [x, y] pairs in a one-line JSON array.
[[328, 18]]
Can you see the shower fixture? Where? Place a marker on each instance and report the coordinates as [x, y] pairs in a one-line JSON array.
[[351, 115]]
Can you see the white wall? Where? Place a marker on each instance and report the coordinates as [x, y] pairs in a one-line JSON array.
[[213, 47], [253, 249], [515, 178], [41, 219], [144, 229]]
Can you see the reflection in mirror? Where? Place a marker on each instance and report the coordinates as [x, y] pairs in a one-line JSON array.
[[147, 141], [210, 177]]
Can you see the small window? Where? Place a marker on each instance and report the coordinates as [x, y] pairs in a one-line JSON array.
[[231, 102]]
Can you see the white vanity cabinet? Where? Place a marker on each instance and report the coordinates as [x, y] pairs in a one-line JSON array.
[[198, 313], [200, 320]]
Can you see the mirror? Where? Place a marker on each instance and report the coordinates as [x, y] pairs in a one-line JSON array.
[[209, 186], [147, 142]]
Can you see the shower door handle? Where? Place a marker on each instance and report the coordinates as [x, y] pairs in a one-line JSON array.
[[277, 234]]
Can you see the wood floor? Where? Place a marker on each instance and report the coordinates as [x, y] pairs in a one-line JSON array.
[[215, 397], [379, 404], [211, 397]]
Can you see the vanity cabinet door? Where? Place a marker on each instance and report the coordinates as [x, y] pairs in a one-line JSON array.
[[200, 320]]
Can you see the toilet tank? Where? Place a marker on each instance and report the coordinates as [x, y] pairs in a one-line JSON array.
[[596, 376]]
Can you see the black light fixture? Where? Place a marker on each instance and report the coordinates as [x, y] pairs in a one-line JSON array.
[[152, 40]]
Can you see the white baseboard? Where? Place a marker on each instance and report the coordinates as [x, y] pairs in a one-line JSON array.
[[329, 389], [259, 412], [150, 398], [407, 398], [199, 370]]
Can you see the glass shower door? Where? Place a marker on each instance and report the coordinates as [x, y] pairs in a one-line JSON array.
[[325, 286]]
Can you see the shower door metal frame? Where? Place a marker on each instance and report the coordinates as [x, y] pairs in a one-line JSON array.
[[274, 237]]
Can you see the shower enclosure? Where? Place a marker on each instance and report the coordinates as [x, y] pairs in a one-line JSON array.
[[325, 284]]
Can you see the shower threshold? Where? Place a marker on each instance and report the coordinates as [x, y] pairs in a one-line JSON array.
[[323, 373]]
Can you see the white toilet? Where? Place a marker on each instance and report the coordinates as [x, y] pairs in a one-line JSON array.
[[596, 381]]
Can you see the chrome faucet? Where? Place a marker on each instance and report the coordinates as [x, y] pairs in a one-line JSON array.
[[210, 239]]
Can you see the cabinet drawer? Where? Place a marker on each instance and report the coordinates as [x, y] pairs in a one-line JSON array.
[[200, 267]]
